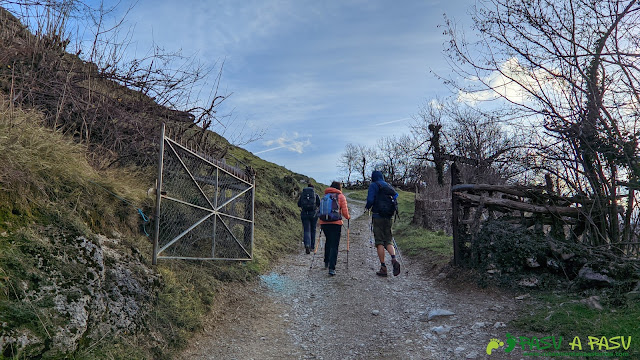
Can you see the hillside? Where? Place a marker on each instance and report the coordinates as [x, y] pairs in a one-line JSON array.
[[76, 279]]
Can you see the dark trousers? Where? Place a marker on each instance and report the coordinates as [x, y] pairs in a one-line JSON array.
[[309, 229], [332, 233]]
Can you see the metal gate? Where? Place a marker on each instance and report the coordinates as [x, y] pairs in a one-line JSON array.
[[204, 207]]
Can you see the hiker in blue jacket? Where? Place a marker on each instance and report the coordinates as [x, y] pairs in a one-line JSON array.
[[308, 203], [382, 222]]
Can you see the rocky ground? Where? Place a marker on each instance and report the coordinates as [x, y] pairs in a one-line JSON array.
[[299, 312]]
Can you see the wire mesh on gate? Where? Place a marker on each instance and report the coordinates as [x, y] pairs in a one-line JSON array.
[[205, 208]]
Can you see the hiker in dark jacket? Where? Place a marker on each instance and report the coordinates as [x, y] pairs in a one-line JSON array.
[[308, 203], [333, 229], [381, 224]]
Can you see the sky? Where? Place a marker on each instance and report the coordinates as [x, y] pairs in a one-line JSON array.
[[312, 76]]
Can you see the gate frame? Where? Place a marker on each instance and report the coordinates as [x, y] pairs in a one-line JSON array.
[[214, 211]]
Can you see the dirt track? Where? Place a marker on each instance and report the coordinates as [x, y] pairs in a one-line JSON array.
[[296, 312]]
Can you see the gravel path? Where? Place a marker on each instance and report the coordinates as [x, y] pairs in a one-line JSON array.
[[296, 312]]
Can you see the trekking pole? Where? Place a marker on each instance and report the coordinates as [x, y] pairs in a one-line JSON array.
[[347, 243], [371, 232], [315, 250], [395, 246]]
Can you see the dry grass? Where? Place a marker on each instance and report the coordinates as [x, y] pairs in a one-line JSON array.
[[45, 174]]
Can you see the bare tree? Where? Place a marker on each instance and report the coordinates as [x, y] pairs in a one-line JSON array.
[[395, 157], [571, 68], [425, 128], [498, 149], [348, 160], [468, 132], [430, 113], [364, 160]]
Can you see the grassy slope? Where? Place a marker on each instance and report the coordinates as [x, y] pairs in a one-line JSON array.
[[45, 184], [45, 181]]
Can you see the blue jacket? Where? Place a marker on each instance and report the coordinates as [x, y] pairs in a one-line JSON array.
[[376, 177]]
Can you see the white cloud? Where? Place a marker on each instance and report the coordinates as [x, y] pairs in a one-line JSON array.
[[294, 143], [513, 82], [392, 121]]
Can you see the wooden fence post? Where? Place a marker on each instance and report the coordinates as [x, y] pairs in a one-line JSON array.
[[455, 214]]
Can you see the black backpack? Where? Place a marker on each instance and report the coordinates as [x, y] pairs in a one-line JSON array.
[[385, 204], [308, 199]]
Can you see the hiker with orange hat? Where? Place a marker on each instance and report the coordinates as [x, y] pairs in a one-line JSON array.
[[333, 207]]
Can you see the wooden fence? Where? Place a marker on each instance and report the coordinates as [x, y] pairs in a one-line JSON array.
[[561, 217]]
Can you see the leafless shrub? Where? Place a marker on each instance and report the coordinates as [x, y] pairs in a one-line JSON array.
[[113, 105]]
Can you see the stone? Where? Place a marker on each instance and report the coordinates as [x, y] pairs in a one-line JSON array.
[[532, 263], [522, 297], [499, 325], [553, 264], [428, 336], [375, 312], [438, 312], [441, 330], [530, 282], [478, 325], [593, 302], [587, 276]]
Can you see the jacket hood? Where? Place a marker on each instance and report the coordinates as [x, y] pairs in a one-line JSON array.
[[376, 176], [332, 190]]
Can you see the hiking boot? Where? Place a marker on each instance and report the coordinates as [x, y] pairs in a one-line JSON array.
[[332, 272], [307, 250], [396, 267], [382, 272]]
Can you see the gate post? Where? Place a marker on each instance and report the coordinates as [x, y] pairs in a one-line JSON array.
[[455, 214], [253, 209], [158, 197]]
